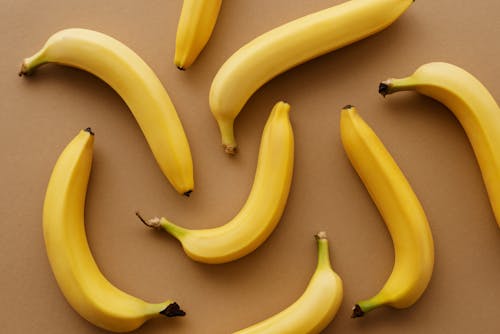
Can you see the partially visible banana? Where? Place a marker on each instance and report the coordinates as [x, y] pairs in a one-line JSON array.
[[263, 208], [136, 83], [75, 270], [196, 23], [473, 106], [400, 209], [289, 45], [317, 306]]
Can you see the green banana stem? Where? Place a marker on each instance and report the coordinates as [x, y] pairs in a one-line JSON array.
[[227, 134], [175, 230], [323, 253], [390, 86], [365, 306], [29, 64]]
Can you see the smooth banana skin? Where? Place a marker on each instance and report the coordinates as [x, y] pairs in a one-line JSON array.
[[474, 107], [401, 210], [289, 45], [76, 272], [317, 306], [136, 83], [263, 209], [196, 24]]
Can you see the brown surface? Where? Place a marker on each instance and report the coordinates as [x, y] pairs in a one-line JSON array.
[[40, 115]]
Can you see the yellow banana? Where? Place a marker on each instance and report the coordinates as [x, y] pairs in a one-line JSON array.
[[136, 83], [77, 274], [196, 23], [263, 208], [289, 45], [317, 306], [400, 209], [473, 106]]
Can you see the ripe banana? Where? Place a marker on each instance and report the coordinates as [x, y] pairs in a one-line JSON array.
[[317, 306], [472, 105], [77, 274], [136, 83], [400, 209], [263, 208], [289, 45], [196, 23]]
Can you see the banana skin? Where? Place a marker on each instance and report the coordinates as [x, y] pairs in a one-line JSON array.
[[137, 84], [474, 107], [83, 285], [196, 24], [289, 45], [316, 307], [263, 208], [401, 210]]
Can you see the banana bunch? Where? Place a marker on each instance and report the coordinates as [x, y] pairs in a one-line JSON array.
[[196, 23], [401, 210], [317, 306], [136, 83], [473, 106], [289, 45], [263, 208], [76, 272], [97, 300]]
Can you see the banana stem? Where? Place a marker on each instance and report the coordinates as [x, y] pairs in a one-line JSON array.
[[365, 306], [29, 64], [226, 129], [390, 86], [176, 231], [323, 253]]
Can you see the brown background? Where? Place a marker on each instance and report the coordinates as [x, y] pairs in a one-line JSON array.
[[40, 115]]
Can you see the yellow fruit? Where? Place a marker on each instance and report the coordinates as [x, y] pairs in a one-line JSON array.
[[196, 23], [137, 84], [317, 306], [473, 106], [401, 210], [289, 45], [77, 274], [263, 208]]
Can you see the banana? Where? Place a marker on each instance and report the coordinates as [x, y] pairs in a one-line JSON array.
[[75, 270], [317, 306], [289, 45], [196, 23], [473, 106], [136, 83], [263, 208], [400, 209]]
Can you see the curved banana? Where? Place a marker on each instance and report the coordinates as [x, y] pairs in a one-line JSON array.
[[196, 23], [289, 45], [400, 209], [317, 306], [473, 106], [136, 83], [77, 274], [263, 208]]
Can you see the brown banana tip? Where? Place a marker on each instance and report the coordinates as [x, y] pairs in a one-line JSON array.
[[89, 130], [229, 149], [383, 88], [188, 193], [349, 106], [23, 71], [357, 312], [153, 223], [181, 68], [320, 235], [173, 310]]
